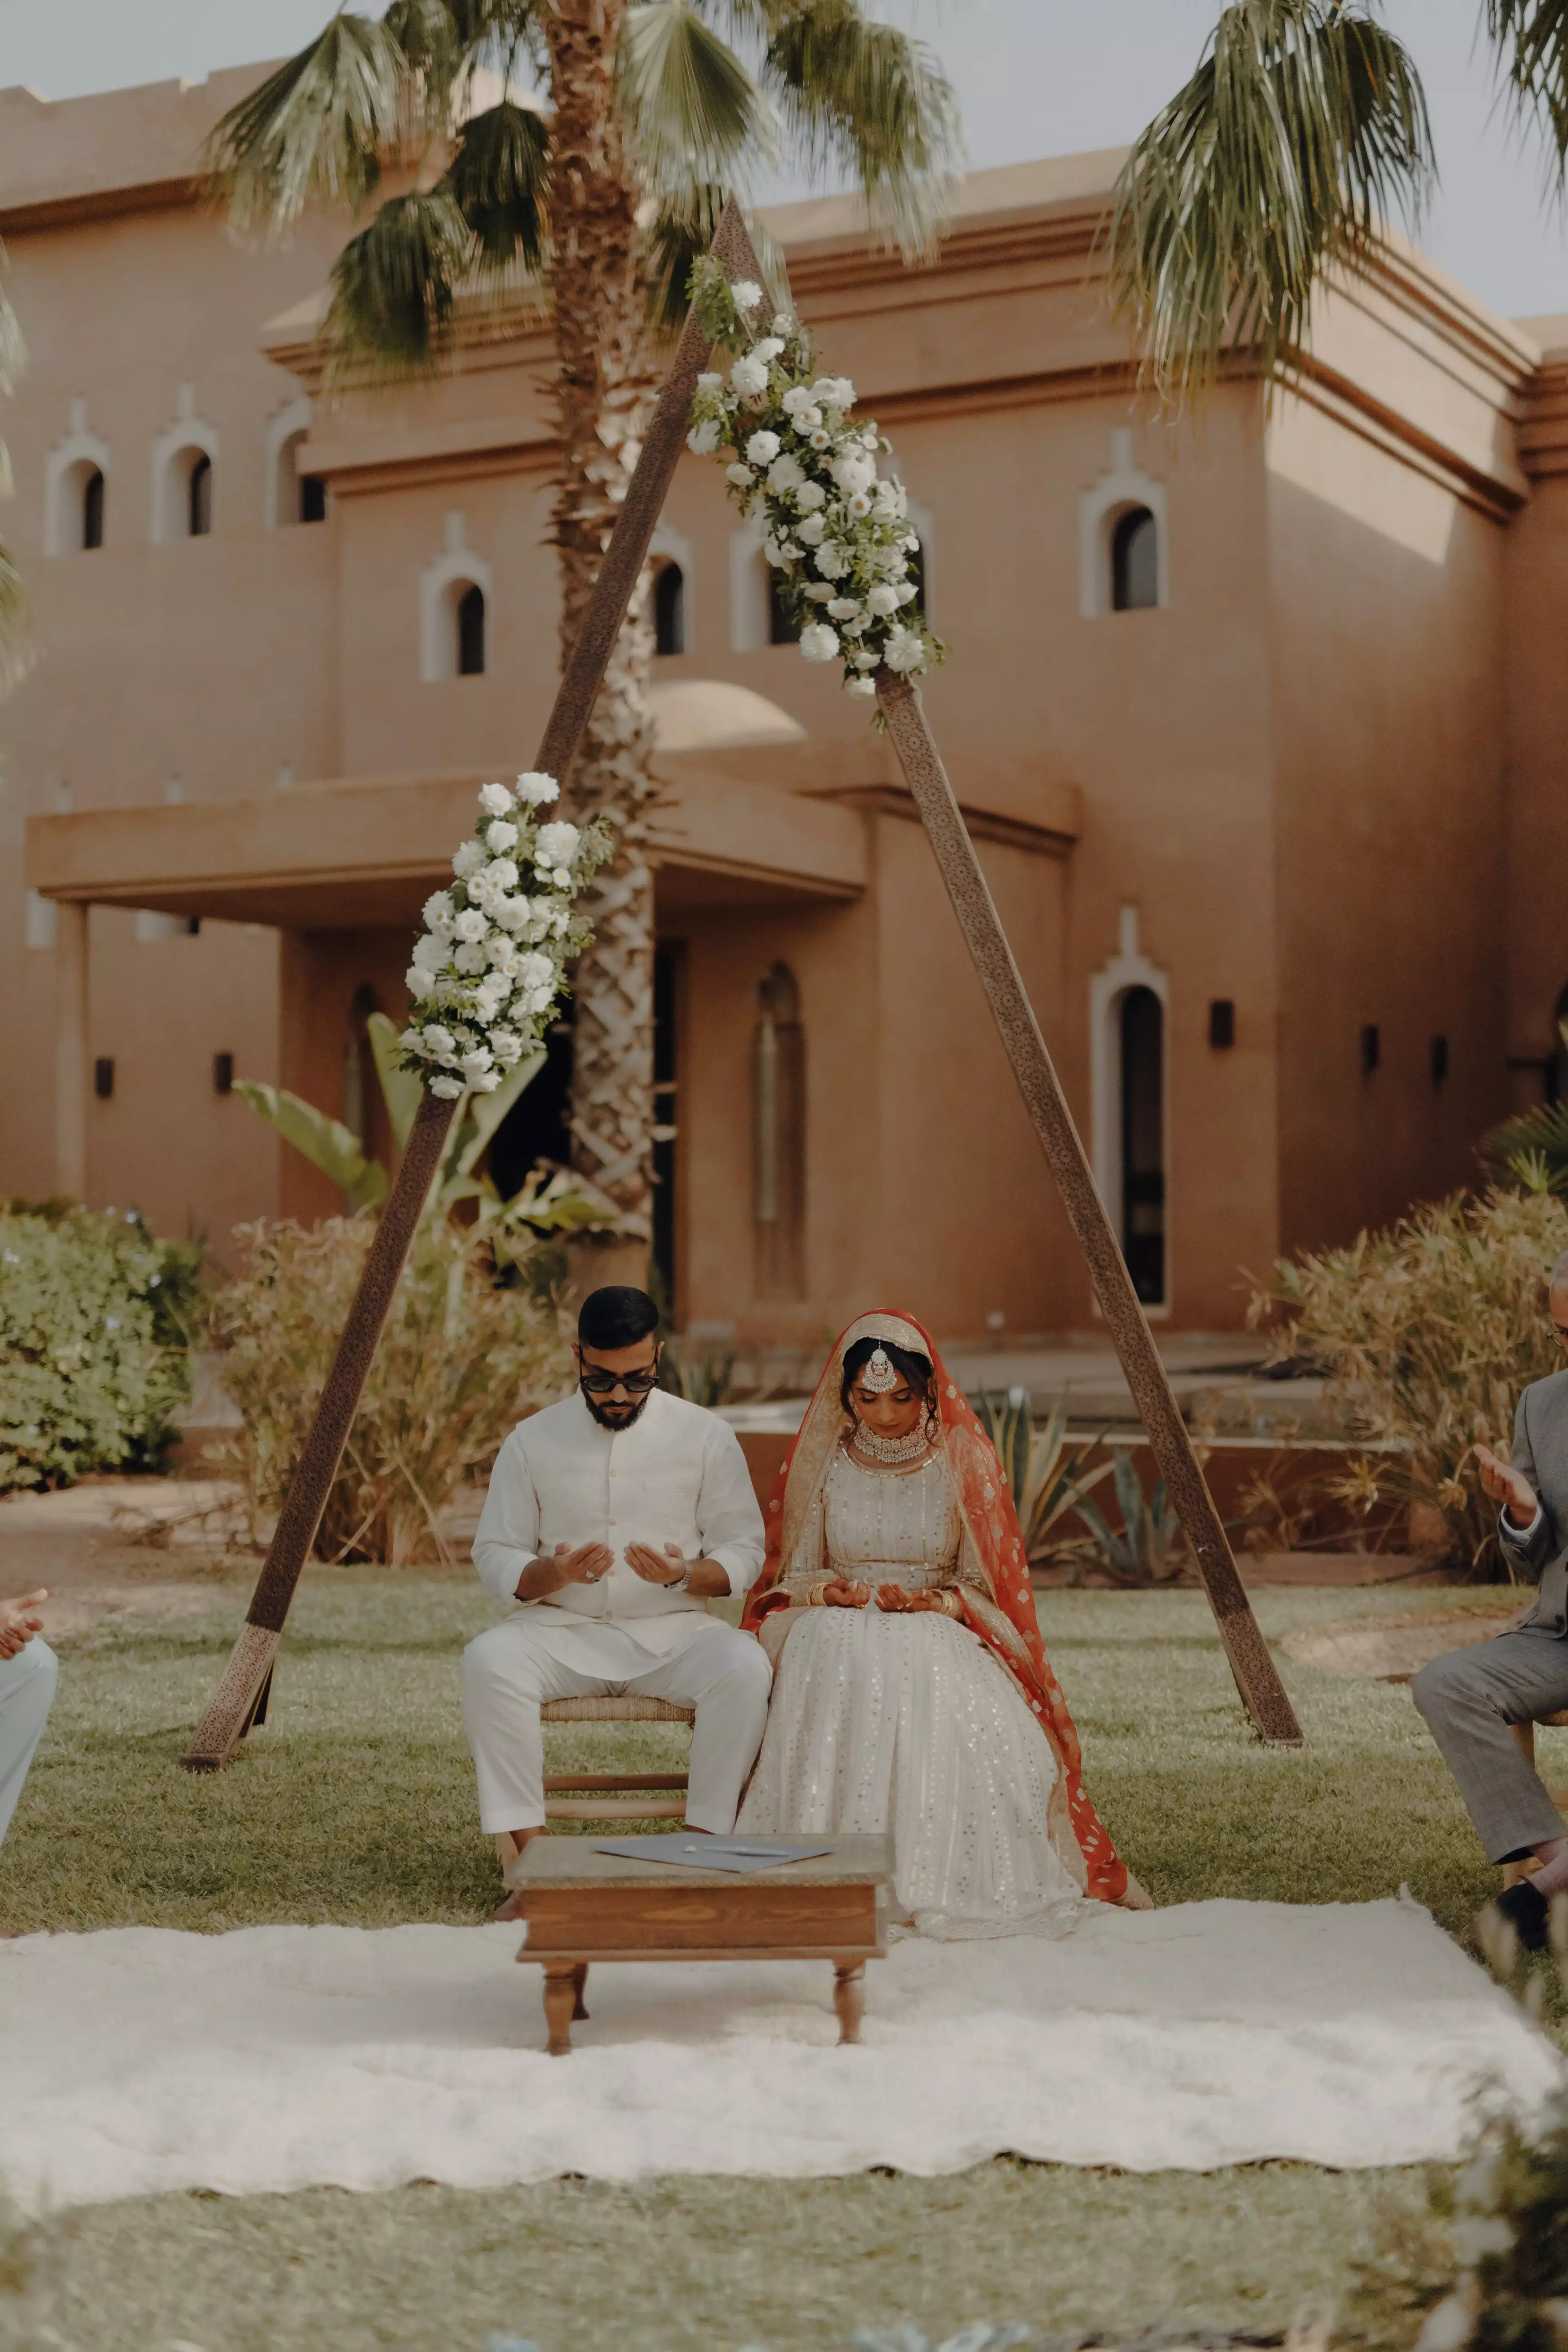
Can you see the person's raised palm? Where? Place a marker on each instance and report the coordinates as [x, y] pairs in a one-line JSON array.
[[19, 1621], [1507, 1486]]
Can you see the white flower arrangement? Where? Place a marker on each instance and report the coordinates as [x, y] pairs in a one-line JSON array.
[[490, 962], [803, 471]]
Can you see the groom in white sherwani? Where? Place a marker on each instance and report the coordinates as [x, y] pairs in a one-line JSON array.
[[611, 1517]]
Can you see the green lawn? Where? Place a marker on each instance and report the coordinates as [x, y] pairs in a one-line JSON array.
[[355, 1804]]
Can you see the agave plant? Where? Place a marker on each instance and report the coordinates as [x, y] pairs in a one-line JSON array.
[[604, 198], [1149, 1547], [549, 1201], [1048, 1472]]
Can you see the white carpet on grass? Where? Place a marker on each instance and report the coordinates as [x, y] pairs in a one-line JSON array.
[[139, 2059]]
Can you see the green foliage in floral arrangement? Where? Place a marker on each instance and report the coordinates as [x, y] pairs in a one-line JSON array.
[[1428, 1332], [465, 1352], [95, 1319]]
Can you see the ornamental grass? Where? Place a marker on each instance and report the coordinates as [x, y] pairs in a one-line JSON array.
[[463, 1356], [1428, 1332]]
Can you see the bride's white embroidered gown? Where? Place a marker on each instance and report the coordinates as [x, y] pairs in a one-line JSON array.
[[908, 1724]]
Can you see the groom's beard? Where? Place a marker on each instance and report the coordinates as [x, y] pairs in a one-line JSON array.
[[622, 1419]]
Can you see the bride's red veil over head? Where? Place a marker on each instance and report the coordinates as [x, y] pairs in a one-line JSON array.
[[1006, 1624]]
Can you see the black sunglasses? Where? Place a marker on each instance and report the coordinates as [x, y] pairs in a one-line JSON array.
[[606, 1383]]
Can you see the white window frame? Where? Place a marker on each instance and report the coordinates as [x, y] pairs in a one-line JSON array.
[[66, 467], [456, 567], [281, 429], [1100, 509], [189, 435]]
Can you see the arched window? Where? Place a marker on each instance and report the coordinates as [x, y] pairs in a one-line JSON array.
[[778, 1137], [470, 620], [781, 629], [93, 508], [669, 609], [1141, 1020], [199, 496], [300, 497], [1557, 1067], [1135, 562]]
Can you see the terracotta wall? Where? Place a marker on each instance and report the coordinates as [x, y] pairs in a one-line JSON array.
[[1530, 914]]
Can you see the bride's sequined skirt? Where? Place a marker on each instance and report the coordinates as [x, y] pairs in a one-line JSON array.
[[907, 1724]]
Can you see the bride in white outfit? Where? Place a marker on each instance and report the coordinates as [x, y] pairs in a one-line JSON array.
[[911, 1692]]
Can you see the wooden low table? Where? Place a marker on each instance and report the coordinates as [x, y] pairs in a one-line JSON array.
[[583, 1905]]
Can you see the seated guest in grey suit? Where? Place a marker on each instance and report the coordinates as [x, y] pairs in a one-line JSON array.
[[1470, 1697], [26, 1686]]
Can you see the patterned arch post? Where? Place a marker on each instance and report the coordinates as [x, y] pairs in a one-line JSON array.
[[241, 1693]]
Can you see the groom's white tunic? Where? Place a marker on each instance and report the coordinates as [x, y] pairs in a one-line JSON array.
[[675, 1476]]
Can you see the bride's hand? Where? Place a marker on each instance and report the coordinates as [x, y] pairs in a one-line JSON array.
[[896, 1598], [842, 1595]]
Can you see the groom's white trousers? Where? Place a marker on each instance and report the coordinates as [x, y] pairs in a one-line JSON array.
[[26, 1686], [510, 1671]]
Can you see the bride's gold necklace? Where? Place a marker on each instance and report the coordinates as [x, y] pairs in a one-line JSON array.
[[892, 1450]]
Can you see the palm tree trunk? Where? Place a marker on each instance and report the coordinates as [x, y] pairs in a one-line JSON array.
[[605, 396]]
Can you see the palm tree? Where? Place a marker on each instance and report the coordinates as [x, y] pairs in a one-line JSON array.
[[652, 113], [1304, 126]]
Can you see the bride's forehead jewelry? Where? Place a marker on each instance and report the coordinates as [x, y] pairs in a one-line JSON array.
[[878, 1375]]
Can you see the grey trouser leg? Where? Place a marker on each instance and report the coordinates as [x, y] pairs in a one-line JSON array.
[[26, 1686], [1469, 1698]]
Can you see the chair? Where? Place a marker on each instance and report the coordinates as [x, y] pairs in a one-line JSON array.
[[563, 1808], [1513, 1872]]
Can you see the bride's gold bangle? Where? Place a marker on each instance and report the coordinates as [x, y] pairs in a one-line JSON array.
[[814, 1597], [952, 1605]]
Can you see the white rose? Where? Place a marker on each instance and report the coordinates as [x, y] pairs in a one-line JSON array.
[[539, 999], [703, 439], [535, 971], [741, 476], [906, 591], [834, 392], [904, 650], [832, 560], [419, 982], [511, 913], [883, 599], [477, 1058], [769, 348], [438, 1041], [471, 924], [763, 449], [783, 323], [746, 295], [501, 876], [469, 957], [557, 844], [844, 608], [818, 592], [488, 1083], [503, 954], [448, 1088], [798, 397], [495, 800], [809, 497], [808, 420], [468, 858], [854, 473], [429, 954], [784, 474], [867, 686], [535, 786], [818, 643], [748, 377], [500, 836], [865, 658], [507, 1046], [439, 910], [812, 532]]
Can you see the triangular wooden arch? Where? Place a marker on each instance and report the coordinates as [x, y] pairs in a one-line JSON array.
[[239, 1700]]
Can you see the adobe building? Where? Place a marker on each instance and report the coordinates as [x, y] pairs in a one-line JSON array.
[[1259, 722]]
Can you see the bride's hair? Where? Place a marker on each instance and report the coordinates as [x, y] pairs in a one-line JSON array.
[[911, 1366]]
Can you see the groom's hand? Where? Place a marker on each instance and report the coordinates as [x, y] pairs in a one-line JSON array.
[[1507, 1487], [567, 1564], [19, 1622], [705, 1579]]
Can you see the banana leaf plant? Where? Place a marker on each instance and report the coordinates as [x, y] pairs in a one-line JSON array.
[[1048, 1472], [551, 1201]]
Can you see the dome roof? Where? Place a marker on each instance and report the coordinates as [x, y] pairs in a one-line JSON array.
[[701, 714]]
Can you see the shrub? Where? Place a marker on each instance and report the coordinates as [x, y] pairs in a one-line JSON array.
[[95, 1318], [462, 1356], [1428, 1333]]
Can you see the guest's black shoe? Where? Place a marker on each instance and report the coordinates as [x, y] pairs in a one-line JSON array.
[[1527, 1912]]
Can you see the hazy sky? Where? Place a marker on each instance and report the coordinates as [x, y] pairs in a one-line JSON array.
[[1036, 77]]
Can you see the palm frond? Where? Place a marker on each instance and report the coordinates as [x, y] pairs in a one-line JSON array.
[[500, 179], [1303, 127], [395, 288], [315, 130], [866, 98], [16, 645], [12, 357], [691, 107], [680, 233], [1529, 1152], [1531, 40]]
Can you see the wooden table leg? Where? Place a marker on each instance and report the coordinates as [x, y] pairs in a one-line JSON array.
[[849, 1996], [560, 2004], [579, 1982]]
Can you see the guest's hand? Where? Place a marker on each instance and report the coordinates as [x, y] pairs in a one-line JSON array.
[[899, 1599], [1507, 1486], [666, 1567], [19, 1621], [840, 1594]]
